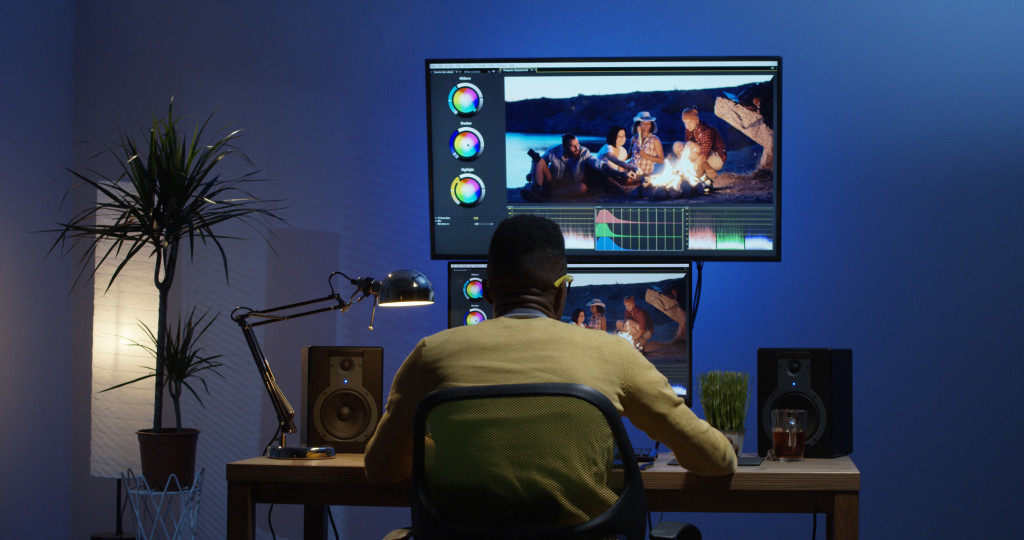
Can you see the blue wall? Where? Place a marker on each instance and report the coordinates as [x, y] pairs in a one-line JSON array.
[[36, 90], [901, 196]]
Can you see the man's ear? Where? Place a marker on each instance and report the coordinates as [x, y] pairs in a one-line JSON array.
[[561, 295], [488, 295]]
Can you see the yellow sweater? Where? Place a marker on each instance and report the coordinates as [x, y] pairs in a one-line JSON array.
[[509, 350]]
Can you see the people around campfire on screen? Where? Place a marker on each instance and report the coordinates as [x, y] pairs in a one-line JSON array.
[[597, 320], [614, 157], [711, 152], [644, 146], [564, 171], [579, 317], [636, 322], [614, 152]]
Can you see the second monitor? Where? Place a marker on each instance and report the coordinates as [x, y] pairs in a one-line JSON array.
[[598, 299]]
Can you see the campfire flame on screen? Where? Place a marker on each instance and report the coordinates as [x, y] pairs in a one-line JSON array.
[[678, 171]]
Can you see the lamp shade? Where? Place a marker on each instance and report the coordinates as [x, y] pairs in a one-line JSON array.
[[405, 287]]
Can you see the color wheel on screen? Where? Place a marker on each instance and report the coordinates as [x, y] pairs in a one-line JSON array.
[[473, 289], [468, 190], [475, 316], [465, 99], [466, 144]]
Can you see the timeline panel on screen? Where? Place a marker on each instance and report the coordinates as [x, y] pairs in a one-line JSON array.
[[484, 116]]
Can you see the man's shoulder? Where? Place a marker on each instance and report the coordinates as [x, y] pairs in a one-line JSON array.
[[516, 328], [449, 333], [707, 127], [554, 151]]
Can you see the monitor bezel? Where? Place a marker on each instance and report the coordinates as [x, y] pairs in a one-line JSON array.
[[773, 255]]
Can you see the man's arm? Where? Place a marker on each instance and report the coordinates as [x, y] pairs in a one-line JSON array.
[[608, 156], [652, 406], [554, 161], [605, 168], [647, 323], [389, 452], [705, 140]]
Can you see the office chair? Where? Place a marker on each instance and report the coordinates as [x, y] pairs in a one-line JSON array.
[[521, 461]]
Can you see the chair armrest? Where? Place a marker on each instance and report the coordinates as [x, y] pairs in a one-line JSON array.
[[675, 530], [399, 534]]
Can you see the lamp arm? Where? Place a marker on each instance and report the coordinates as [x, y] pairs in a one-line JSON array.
[[285, 412], [414, 289]]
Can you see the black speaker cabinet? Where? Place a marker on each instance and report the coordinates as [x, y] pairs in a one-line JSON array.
[[819, 381], [341, 396]]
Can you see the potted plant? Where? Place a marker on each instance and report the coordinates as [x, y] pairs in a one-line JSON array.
[[174, 452], [168, 191], [724, 395]]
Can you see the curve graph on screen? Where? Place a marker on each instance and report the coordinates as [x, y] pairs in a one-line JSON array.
[[639, 229]]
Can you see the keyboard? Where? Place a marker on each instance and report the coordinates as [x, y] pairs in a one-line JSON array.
[[643, 455]]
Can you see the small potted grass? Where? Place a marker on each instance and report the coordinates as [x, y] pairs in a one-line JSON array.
[[724, 395]]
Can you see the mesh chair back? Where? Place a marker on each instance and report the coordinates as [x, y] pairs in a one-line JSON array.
[[524, 461]]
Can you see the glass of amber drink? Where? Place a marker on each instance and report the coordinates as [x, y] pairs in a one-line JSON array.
[[789, 433]]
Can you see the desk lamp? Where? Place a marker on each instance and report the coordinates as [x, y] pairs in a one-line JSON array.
[[402, 287]]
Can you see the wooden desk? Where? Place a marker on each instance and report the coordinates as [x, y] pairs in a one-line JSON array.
[[828, 486]]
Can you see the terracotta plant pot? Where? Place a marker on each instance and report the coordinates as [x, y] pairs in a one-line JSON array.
[[166, 452]]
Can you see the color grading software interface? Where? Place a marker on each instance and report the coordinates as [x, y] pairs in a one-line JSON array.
[[484, 116]]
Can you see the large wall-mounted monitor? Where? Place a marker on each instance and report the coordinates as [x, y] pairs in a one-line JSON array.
[[662, 291], [716, 198]]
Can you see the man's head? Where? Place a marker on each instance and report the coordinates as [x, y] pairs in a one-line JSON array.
[[571, 146], [690, 119], [526, 257], [629, 302]]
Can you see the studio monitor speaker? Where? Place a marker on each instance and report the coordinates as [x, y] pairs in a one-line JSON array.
[[819, 381], [342, 391]]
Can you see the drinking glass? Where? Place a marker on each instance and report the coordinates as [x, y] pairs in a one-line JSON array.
[[789, 433]]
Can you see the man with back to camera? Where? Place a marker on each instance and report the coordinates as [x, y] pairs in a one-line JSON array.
[[526, 342]]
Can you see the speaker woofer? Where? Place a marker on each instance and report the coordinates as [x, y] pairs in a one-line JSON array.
[[796, 400], [344, 415]]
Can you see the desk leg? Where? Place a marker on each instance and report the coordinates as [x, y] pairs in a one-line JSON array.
[[314, 521], [241, 509], [843, 521]]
